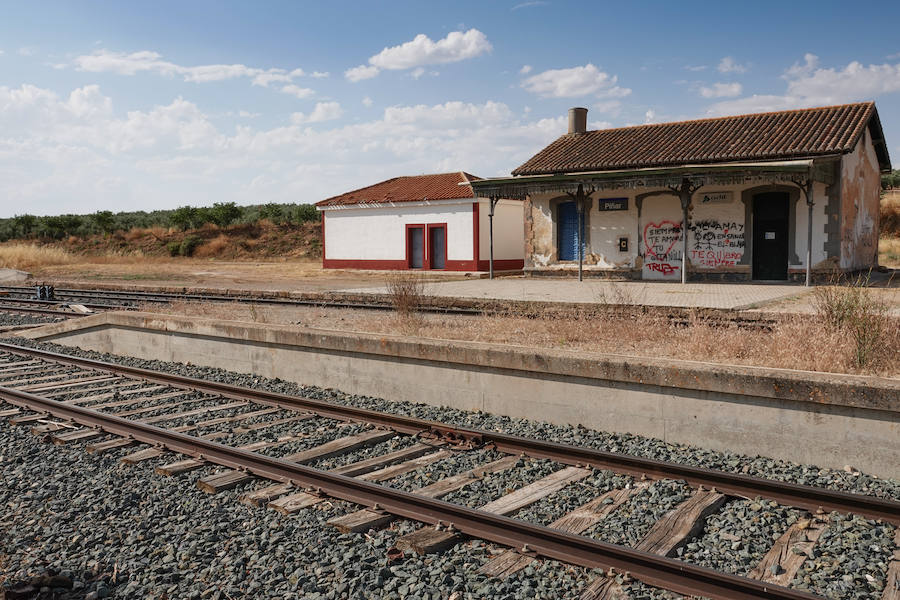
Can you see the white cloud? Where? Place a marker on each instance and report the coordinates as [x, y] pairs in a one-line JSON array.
[[525, 70], [695, 67], [25, 51], [808, 84], [147, 61], [297, 91], [361, 72], [721, 90], [417, 72], [529, 4], [367, 102], [422, 51], [56, 147], [650, 116], [574, 82], [729, 65], [319, 74], [323, 111]]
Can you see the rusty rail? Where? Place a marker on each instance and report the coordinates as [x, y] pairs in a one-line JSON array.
[[40, 311], [543, 541], [801, 496]]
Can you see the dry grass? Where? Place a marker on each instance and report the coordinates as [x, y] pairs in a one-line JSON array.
[[889, 252], [31, 256], [213, 247], [890, 214], [801, 342], [139, 233], [406, 292], [35, 257]]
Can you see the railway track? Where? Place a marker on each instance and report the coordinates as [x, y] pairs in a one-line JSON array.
[[130, 300], [46, 312], [298, 452], [97, 299]]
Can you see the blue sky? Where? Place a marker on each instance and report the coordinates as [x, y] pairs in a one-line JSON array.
[[138, 106]]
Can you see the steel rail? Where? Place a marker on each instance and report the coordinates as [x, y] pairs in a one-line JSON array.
[[58, 302], [40, 311], [165, 297], [543, 541], [801, 496]]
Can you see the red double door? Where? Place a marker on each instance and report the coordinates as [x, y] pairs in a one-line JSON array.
[[426, 246]]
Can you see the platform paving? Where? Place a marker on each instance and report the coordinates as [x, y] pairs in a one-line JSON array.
[[734, 296]]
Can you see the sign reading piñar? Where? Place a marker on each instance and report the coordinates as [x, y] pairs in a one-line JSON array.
[[612, 204]]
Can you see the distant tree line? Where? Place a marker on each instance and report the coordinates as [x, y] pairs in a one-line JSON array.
[[106, 222], [891, 180]]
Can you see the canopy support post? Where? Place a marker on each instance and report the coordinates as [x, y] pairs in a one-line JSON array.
[[491, 233], [685, 193], [807, 186]]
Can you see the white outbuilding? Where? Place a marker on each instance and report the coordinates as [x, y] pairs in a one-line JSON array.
[[429, 222]]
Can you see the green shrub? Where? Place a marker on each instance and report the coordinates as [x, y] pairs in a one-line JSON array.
[[307, 213], [188, 245], [174, 248]]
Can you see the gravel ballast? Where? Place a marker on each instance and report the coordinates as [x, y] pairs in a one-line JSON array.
[[12, 318], [125, 532]]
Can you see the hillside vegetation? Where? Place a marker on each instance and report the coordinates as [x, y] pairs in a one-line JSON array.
[[223, 231]]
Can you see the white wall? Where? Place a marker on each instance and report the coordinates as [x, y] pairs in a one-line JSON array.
[[661, 237], [380, 233], [819, 221], [509, 230], [607, 226]]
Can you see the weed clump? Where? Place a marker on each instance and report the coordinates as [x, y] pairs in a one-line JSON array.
[[406, 293], [849, 307]]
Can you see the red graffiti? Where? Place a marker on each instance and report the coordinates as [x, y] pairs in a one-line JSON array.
[[660, 233], [664, 268], [716, 258]]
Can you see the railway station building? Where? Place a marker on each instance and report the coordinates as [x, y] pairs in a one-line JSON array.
[[422, 222], [770, 196]]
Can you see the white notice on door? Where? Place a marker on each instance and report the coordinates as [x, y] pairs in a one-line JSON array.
[[770, 235]]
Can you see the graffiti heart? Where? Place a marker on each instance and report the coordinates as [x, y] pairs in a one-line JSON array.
[[658, 234]]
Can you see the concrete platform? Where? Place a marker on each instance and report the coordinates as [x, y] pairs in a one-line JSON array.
[[729, 296], [823, 419]]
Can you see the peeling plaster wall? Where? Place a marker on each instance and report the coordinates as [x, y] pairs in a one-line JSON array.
[[540, 232], [718, 241], [860, 189]]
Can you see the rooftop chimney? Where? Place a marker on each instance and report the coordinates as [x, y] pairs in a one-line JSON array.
[[577, 120]]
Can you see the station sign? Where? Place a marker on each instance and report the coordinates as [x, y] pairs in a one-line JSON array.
[[716, 198], [612, 204]]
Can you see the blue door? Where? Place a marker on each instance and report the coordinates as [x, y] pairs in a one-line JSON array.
[[567, 234]]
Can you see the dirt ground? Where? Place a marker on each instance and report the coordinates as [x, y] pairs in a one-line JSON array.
[[308, 276], [293, 275]]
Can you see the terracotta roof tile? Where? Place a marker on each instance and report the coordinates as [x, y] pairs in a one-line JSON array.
[[444, 186], [766, 136]]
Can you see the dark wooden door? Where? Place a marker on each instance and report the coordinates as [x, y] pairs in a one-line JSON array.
[[567, 232], [437, 249], [415, 247], [770, 235]]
